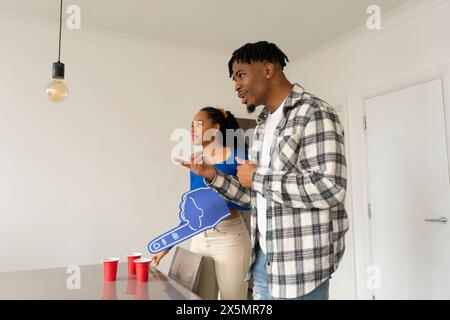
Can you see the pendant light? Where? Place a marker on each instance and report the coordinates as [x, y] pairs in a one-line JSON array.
[[57, 90]]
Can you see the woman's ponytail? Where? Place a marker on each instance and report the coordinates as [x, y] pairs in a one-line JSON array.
[[227, 121]]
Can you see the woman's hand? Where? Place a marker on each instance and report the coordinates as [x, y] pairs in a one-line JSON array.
[[158, 256], [200, 166]]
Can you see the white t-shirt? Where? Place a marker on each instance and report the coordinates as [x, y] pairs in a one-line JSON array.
[[261, 203]]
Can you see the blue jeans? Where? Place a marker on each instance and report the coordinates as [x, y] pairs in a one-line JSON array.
[[261, 289]]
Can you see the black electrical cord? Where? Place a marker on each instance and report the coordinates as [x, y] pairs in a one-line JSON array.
[[60, 27]]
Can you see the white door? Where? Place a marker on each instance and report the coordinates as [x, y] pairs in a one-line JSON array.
[[409, 183]]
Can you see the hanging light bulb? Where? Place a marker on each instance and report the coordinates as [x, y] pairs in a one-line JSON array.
[[56, 90]]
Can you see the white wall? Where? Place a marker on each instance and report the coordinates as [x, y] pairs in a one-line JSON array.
[[92, 177], [414, 43]]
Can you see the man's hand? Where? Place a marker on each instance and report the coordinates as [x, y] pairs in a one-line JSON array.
[[245, 172], [199, 166]]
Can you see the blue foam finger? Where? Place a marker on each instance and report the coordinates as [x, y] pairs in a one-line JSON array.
[[200, 210]]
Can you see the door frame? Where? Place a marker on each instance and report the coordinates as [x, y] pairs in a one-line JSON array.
[[359, 166]]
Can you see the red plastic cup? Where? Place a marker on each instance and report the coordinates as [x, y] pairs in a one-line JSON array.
[[131, 267], [110, 268], [142, 266]]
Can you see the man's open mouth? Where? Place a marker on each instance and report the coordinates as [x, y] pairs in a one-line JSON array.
[[242, 95]]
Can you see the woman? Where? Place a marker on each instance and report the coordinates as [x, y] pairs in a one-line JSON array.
[[228, 244]]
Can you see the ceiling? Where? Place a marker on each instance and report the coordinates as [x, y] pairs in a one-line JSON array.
[[297, 26]]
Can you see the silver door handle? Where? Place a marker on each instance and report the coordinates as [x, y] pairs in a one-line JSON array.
[[443, 220]]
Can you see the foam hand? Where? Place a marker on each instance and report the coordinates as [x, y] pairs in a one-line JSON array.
[[200, 210]]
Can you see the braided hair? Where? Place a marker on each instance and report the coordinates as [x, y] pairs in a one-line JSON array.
[[259, 51]]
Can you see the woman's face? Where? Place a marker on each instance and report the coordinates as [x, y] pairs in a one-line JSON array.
[[202, 129]]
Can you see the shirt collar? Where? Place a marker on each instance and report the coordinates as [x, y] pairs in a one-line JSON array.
[[290, 103]]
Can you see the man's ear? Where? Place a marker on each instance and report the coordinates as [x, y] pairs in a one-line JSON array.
[[269, 70]]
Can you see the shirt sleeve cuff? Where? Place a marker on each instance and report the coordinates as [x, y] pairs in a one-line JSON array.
[[259, 180], [218, 180]]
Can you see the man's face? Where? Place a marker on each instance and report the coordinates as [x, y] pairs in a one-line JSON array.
[[251, 84]]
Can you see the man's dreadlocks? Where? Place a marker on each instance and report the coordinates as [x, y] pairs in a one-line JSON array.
[[259, 51]]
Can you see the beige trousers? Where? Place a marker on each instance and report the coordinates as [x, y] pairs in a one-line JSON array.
[[228, 249]]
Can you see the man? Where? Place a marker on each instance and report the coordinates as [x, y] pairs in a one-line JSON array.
[[295, 181]]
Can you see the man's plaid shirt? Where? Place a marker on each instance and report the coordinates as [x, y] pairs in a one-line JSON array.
[[305, 186]]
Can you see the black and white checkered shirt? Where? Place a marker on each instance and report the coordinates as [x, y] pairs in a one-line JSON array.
[[305, 186]]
